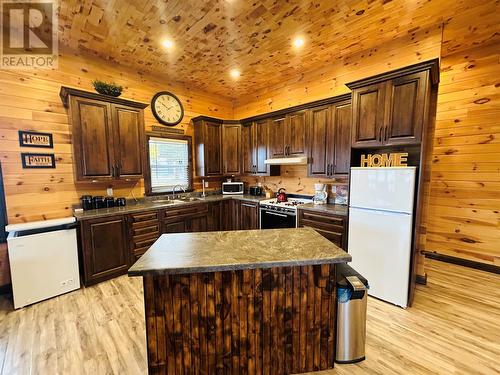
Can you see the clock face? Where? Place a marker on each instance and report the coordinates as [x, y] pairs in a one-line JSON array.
[[167, 108]]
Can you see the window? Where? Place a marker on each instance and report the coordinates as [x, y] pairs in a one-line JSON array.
[[169, 164]]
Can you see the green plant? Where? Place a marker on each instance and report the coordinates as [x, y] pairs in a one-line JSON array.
[[106, 88]]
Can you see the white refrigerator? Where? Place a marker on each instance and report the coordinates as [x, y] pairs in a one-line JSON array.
[[380, 229]]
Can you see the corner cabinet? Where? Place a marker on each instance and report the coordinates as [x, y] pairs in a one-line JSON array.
[[329, 131], [108, 136], [389, 111]]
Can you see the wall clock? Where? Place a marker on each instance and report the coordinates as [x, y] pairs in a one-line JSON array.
[[167, 108]]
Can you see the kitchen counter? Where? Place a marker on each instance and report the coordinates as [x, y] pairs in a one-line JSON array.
[[236, 250], [334, 209], [211, 297], [145, 205]]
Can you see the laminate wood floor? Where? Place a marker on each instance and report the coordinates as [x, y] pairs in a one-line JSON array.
[[451, 329]]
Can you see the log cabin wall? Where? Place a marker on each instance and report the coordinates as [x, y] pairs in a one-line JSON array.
[[30, 101], [463, 215]]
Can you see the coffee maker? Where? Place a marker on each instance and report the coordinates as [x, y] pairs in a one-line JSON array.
[[320, 194]]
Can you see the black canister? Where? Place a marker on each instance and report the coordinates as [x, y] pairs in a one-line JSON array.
[[109, 202], [86, 201], [121, 202], [98, 202]]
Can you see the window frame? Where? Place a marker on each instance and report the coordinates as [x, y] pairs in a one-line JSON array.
[[147, 167]]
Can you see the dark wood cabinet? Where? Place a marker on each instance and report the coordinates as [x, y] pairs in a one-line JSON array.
[[255, 148], [231, 148], [144, 228], [105, 249], [186, 218], [330, 143], [248, 215], [330, 226], [108, 136], [287, 135], [389, 112], [208, 147]]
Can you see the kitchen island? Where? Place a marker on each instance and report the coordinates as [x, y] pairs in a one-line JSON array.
[[255, 301]]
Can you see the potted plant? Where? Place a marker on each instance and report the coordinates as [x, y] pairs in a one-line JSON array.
[[107, 88]]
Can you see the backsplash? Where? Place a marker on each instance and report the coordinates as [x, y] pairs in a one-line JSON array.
[[295, 180]]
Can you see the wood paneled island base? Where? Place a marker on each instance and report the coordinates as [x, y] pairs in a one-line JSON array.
[[240, 302], [256, 321]]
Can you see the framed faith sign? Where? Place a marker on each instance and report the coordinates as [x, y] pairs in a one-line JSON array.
[[31, 160]]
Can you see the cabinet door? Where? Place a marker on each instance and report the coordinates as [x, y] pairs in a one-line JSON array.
[[368, 115], [128, 128], [405, 98], [319, 129], [214, 223], [231, 137], [277, 138], [296, 134], [248, 215], [342, 138], [105, 249], [213, 143], [93, 139], [247, 149], [198, 223], [175, 226], [261, 151]]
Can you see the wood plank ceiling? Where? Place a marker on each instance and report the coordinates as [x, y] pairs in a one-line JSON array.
[[212, 37]]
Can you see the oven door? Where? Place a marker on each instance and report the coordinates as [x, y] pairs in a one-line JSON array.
[[271, 220]]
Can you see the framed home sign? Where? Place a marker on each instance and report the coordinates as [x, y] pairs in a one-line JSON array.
[[35, 139], [32, 160]]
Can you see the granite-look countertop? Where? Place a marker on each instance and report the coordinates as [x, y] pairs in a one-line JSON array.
[[334, 209], [146, 205], [182, 253]]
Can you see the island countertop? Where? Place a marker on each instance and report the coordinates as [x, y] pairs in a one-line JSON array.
[[183, 253]]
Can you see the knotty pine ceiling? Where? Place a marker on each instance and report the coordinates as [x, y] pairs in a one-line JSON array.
[[212, 37]]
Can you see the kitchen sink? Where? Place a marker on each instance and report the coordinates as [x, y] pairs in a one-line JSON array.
[[179, 200]]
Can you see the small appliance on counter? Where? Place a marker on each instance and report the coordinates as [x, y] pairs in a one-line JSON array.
[[281, 195], [98, 201], [320, 194], [109, 202], [86, 201], [255, 190], [121, 202], [232, 187]]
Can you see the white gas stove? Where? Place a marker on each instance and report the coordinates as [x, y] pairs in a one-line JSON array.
[[274, 214]]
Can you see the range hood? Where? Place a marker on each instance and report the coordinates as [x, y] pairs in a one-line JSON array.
[[297, 160]]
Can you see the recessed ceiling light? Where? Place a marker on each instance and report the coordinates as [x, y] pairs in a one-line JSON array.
[[298, 42], [167, 43], [235, 73]]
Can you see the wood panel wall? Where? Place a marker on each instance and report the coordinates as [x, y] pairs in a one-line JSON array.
[[262, 321], [463, 219], [29, 100]]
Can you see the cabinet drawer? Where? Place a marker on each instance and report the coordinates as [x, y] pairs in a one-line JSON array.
[[146, 216], [146, 243], [335, 237], [321, 225], [155, 228], [321, 218], [186, 210]]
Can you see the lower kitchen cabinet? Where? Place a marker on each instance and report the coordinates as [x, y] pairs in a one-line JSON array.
[[330, 226], [248, 215], [105, 249], [191, 218], [144, 230]]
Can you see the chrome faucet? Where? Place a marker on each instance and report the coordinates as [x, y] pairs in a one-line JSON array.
[[173, 190]]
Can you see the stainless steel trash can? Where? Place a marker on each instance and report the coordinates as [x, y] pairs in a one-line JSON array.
[[351, 315]]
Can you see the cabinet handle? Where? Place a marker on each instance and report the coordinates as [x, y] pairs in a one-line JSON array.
[[385, 133], [380, 134], [328, 170], [112, 171]]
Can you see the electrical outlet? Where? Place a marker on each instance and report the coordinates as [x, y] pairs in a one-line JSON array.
[[70, 281], [109, 191], [64, 283], [206, 184]]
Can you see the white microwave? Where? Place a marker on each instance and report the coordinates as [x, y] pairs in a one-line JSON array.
[[232, 188]]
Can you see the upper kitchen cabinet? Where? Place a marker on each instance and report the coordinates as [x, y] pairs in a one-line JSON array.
[[390, 109], [108, 136], [287, 135], [255, 148], [329, 136], [208, 146], [231, 148]]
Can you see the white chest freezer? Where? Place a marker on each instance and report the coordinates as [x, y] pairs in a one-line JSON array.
[[43, 258]]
